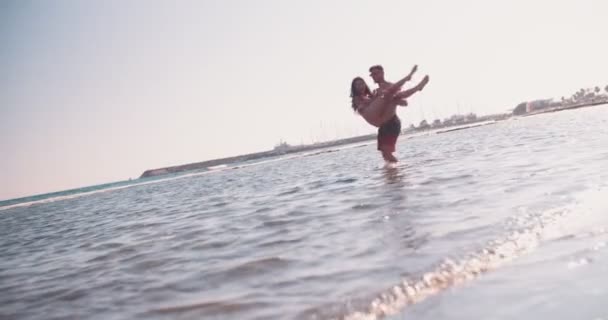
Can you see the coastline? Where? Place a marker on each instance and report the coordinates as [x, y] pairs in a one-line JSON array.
[[279, 151], [568, 107], [286, 149]]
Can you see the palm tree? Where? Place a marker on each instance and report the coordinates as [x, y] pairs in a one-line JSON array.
[[580, 94]]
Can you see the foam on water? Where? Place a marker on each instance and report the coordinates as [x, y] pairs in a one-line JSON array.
[[588, 209], [518, 206], [178, 176]]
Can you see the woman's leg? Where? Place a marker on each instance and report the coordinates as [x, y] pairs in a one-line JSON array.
[[409, 92], [396, 87], [384, 108], [388, 107], [381, 109], [389, 110]]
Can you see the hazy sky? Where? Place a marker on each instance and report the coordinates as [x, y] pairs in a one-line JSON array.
[[99, 91]]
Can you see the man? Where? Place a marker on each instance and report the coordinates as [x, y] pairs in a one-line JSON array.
[[389, 131]]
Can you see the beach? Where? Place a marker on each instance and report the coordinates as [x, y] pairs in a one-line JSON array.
[[499, 221]]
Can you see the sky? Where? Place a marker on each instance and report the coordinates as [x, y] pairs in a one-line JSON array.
[[99, 91]]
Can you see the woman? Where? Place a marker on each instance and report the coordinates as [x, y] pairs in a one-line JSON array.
[[378, 109]]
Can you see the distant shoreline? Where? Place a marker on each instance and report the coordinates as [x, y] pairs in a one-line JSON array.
[[286, 149], [564, 108], [210, 164]]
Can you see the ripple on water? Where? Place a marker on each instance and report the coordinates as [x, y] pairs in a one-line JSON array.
[[338, 235]]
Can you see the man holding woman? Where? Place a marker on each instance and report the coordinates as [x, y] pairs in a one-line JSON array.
[[379, 108]]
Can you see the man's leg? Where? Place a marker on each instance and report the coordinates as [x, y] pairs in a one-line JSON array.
[[388, 156], [387, 138]]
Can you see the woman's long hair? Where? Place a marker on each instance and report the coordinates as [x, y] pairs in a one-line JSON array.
[[366, 91]]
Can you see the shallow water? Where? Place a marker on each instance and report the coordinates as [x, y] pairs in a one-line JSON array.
[[496, 222]]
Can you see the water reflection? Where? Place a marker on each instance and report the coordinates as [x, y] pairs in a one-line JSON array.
[[394, 174]]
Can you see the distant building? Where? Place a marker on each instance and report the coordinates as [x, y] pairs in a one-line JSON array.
[[423, 125], [536, 105], [539, 104]]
